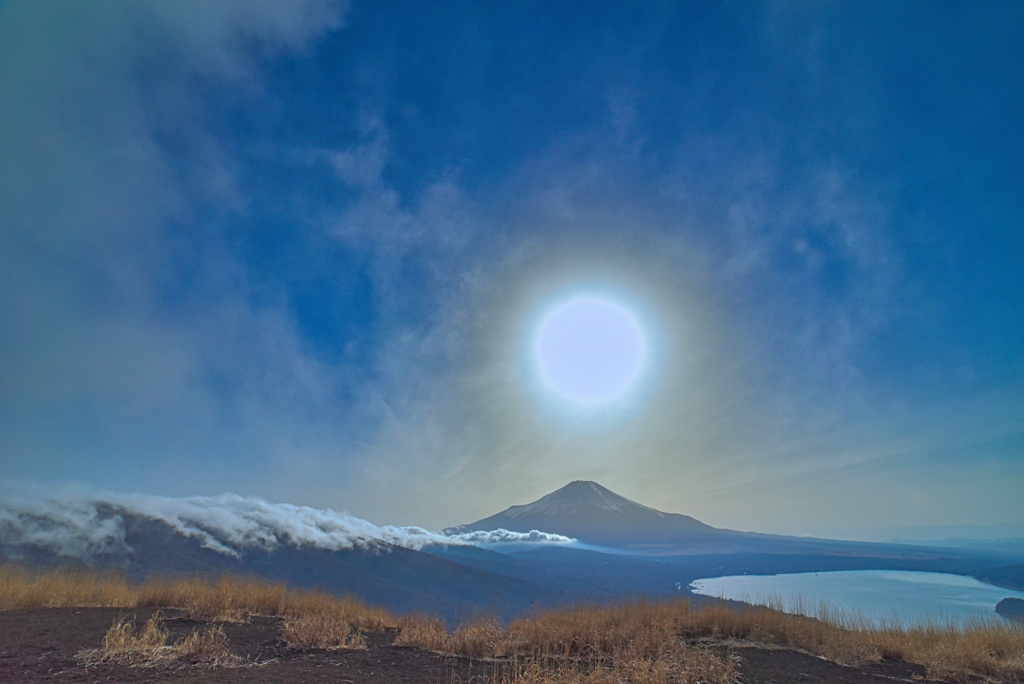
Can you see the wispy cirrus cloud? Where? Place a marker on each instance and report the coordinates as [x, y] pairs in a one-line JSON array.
[[125, 311], [304, 256]]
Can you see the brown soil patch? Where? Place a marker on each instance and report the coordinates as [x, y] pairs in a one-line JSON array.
[[40, 646], [786, 666]]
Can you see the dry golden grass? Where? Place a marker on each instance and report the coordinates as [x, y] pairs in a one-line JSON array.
[[22, 588], [642, 641], [321, 630], [314, 619], [630, 643], [634, 629], [700, 664], [479, 639], [634, 641], [148, 647], [424, 632], [360, 616], [228, 599], [991, 648], [310, 619]]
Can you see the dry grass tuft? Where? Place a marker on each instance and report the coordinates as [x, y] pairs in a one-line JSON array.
[[480, 639], [632, 629], [311, 619], [22, 588], [987, 648], [149, 647], [629, 643], [361, 617], [314, 619], [641, 642], [423, 632], [228, 599], [321, 630], [701, 664]]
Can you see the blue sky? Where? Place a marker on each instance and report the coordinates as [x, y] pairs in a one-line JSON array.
[[301, 251]]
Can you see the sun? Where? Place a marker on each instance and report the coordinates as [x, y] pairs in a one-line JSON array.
[[590, 350]]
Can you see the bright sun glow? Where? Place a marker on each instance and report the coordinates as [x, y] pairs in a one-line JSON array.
[[590, 350]]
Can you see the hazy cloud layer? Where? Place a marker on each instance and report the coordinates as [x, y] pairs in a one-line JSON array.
[[64, 528], [83, 526], [300, 250], [110, 173]]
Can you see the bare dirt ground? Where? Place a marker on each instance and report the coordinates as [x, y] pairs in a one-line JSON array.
[[40, 646]]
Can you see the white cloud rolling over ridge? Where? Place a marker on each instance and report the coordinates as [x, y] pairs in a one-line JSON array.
[[86, 526]]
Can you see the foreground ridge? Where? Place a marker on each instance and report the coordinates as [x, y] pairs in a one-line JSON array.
[[48, 625]]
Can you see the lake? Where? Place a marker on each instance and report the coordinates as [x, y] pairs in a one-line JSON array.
[[874, 595]]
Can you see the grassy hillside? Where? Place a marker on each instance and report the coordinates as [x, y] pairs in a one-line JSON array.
[[631, 641]]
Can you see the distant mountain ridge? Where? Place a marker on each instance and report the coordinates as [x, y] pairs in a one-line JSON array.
[[596, 515], [923, 534], [398, 578], [656, 554]]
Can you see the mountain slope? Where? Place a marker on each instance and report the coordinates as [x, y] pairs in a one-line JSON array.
[[596, 515], [401, 579]]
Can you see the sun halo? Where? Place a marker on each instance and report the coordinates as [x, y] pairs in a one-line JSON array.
[[590, 350]]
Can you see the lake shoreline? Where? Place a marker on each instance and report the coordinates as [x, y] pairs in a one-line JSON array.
[[877, 596]]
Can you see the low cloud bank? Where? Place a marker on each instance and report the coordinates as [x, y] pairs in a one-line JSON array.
[[86, 526], [502, 535]]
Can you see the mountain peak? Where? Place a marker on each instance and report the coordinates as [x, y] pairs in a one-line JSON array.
[[585, 510], [580, 494]]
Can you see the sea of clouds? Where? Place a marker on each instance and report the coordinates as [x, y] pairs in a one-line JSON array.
[[84, 525]]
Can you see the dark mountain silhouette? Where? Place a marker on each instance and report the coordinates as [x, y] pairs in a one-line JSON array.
[[380, 573], [1009, 576], [596, 515], [657, 554], [1011, 609]]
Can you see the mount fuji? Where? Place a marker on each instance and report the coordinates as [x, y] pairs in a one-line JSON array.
[[595, 515], [633, 549]]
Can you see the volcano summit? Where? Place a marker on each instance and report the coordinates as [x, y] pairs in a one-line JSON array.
[[595, 515]]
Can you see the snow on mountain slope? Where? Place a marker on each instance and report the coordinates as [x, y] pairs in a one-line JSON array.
[[580, 494], [593, 514]]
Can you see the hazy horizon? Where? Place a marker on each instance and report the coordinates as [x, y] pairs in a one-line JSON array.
[[759, 265]]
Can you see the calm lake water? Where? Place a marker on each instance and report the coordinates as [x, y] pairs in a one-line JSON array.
[[875, 595]]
